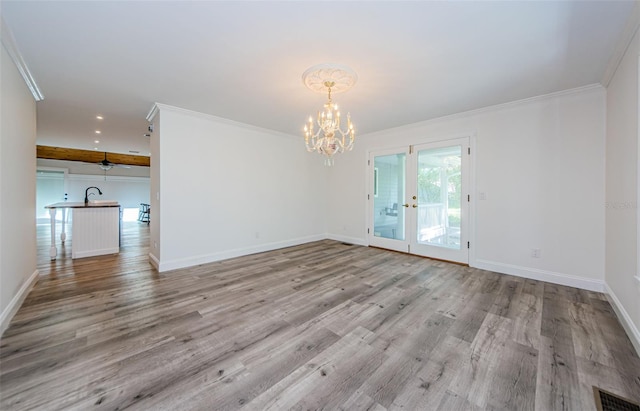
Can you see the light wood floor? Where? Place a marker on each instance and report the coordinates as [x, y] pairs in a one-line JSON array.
[[319, 326]]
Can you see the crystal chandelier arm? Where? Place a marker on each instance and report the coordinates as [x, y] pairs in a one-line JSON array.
[[306, 143], [352, 138], [329, 138], [308, 134], [350, 132]]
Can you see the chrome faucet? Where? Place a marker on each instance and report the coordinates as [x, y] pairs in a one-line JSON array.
[[86, 194]]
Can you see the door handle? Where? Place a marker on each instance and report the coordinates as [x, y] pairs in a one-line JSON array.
[[405, 205], [414, 206]]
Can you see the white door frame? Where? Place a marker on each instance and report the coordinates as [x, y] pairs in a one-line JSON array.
[[372, 240], [471, 181], [461, 254]]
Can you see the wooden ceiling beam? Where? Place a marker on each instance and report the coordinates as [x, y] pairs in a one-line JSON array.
[[89, 156]]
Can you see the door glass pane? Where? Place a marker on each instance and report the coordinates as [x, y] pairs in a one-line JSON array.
[[389, 194], [439, 196]]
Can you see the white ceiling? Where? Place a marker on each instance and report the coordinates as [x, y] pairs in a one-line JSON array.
[[244, 60]]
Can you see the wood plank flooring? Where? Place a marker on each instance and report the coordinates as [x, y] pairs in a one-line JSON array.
[[323, 325]]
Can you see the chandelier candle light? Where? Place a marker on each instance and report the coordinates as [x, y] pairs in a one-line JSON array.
[[330, 138]]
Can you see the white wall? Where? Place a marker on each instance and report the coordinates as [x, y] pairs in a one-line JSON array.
[[622, 191], [17, 188], [229, 189], [540, 163], [50, 188], [156, 208], [129, 192]]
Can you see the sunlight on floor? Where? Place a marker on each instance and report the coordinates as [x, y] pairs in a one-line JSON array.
[[130, 214]]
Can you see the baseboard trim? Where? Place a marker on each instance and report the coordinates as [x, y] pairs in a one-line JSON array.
[[541, 275], [624, 318], [347, 239], [154, 261], [16, 301], [93, 253], [238, 252]]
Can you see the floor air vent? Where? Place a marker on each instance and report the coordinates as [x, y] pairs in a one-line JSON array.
[[606, 401]]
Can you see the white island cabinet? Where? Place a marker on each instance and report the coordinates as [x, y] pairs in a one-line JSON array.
[[95, 229]]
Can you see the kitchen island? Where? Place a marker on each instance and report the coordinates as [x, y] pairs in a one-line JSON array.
[[95, 229]]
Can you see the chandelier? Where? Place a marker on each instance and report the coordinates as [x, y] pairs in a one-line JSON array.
[[330, 138]]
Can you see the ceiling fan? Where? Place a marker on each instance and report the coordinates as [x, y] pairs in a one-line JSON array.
[[107, 165]]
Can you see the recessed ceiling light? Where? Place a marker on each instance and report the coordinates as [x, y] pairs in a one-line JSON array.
[[97, 141], [100, 117], [98, 131]]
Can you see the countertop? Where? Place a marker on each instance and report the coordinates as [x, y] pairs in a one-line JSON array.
[[67, 204]]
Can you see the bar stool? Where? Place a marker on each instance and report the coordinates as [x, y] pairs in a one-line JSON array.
[[144, 215]]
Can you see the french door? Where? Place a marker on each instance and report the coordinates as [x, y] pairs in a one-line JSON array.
[[419, 200]]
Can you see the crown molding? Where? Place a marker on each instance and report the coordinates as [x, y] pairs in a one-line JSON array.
[[9, 43], [158, 107], [152, 113], [490, 109], [629, 32]]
